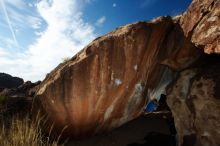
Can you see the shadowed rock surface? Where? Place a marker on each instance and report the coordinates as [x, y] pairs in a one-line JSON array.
[[147, 130], [193, 96], [194, 100]]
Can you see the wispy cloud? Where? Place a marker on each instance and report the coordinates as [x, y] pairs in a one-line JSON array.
[[66, 33], [23, 19], [34, 22], [30, 5], [37, 33], [18, 4], [100, 21], [8, 43], [147, 3], [9, 22]]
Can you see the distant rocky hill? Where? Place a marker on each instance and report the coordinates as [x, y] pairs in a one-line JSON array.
[[15, 97], [7, 81]]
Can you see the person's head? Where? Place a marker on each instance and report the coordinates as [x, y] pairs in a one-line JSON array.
[[154, 100], [163, 98]]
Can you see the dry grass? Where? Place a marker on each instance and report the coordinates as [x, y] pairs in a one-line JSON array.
[[25, 133], [66, 59]]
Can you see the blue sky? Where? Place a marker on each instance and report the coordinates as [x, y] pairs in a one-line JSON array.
[[35, 35]]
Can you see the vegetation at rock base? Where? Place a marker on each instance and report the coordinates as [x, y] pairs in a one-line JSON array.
[[2, 99], [25, 133]]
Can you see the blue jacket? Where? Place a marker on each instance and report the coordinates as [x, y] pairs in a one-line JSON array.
[[151, 106]]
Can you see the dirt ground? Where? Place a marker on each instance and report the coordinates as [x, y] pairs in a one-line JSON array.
[[150, 129]]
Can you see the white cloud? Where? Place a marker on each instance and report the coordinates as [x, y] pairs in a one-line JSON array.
[[65, 35], [23, 18], [100, 21], [114, 5]]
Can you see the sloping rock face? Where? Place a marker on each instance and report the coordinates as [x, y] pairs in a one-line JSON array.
[[201, 23], [108, 83], [7, 81]]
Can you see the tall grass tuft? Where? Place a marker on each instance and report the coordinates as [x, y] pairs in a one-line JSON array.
[[25, 133]]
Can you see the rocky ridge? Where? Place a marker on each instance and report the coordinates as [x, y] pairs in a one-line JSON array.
[[16, 101], [7, 81]]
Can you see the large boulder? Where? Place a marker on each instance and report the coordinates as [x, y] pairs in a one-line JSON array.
[[109, 82]]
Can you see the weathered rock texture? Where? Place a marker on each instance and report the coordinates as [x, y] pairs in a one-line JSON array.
[[201, 23], [195, 103], [194, 96], [108, 82]]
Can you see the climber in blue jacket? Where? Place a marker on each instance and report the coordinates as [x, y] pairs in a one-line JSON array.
[[151, 106]]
